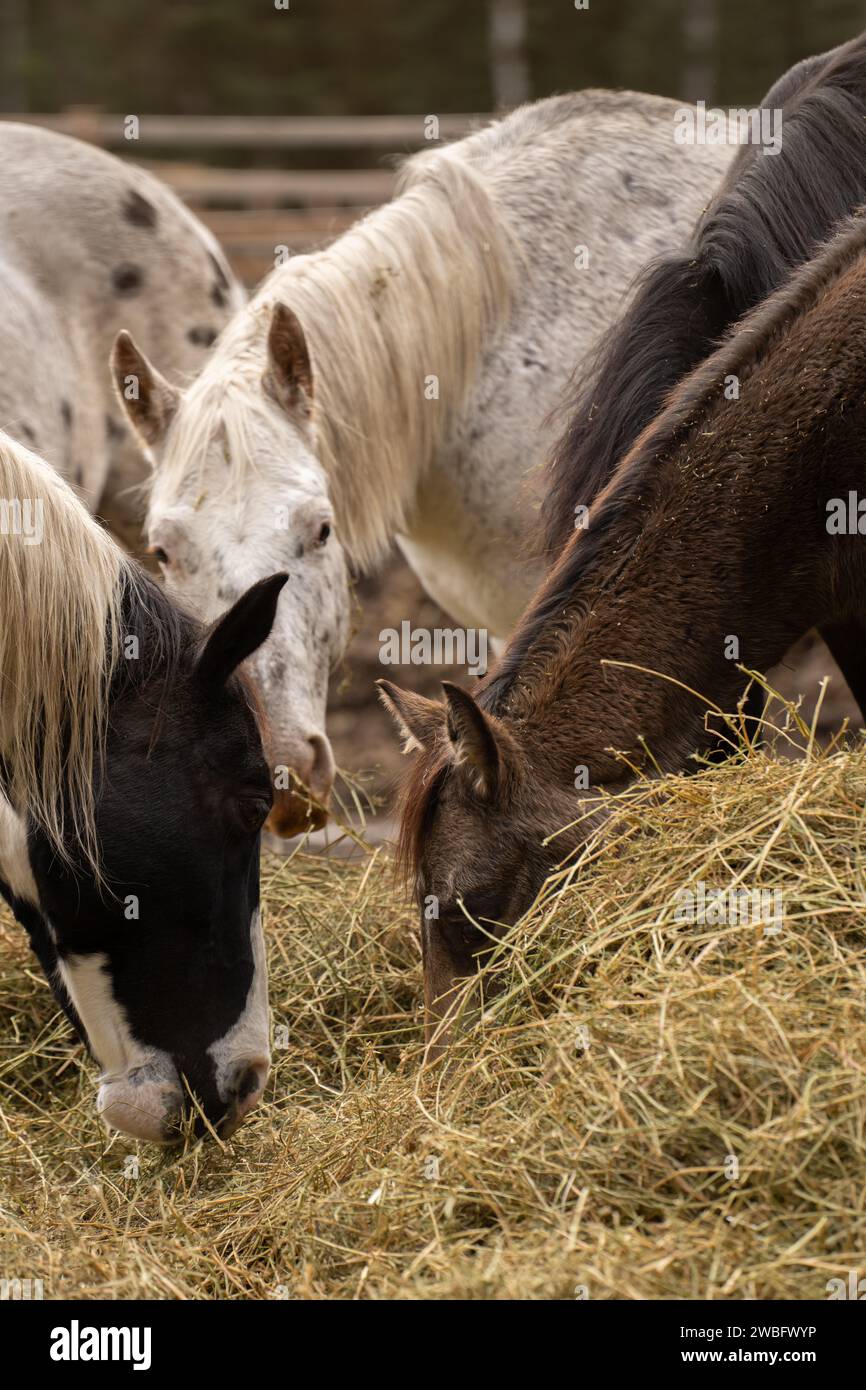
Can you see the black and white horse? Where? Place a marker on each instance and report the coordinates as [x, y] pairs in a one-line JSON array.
[[132, 792]]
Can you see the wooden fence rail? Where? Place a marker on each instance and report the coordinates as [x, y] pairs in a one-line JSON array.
[[254, 211], [250, 132]]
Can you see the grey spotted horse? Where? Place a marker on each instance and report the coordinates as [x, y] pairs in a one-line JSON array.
[[399, 384], [90, 244]]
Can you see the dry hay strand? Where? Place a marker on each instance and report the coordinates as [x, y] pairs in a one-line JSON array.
[[648, 1108]]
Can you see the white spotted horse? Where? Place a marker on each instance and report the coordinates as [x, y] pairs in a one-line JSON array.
[[398, 385], [133, 788], [90, 244]]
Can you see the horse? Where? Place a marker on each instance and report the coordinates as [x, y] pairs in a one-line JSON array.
[[397, 384], [133, 789], [720, 502], [122, 251], [769, 215]]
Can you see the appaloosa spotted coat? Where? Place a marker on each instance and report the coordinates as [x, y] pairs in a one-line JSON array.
[[88, 245]]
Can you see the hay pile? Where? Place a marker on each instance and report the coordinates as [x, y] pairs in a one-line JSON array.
[[651, 1109]]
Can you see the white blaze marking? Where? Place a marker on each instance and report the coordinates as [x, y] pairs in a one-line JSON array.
[[89, 987], [250, 1035], [140, 1087]]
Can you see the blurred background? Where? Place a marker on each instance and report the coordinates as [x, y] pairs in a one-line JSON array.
[[341, 57], [281, 121]]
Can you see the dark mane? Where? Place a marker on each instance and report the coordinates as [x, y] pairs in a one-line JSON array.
[[616, 517], [163, 632], [771, 214], [168, 638]]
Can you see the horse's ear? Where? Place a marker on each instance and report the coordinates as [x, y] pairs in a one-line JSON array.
[[288, 376], [418, 719], [238, 633], [473, 739], [148, 399]]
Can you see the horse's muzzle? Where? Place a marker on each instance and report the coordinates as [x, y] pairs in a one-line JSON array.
[[294, 813], [145, 1103], [149, 1103]]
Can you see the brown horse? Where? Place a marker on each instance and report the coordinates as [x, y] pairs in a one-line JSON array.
[[769, 216], [721, 504]]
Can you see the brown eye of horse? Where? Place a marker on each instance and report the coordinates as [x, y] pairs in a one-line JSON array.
[[158, 554], [324, 533]]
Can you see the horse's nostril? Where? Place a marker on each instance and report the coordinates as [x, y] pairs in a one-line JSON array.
[[246, 1089], [248, 1081]]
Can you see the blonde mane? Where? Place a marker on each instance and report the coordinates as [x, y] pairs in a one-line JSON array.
[[413, 291], [60, 633]]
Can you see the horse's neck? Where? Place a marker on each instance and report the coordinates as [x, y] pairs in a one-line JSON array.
[[719, 571], [711, 547], [15, 870]]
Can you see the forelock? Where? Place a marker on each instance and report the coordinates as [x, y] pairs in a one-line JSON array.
[[419, 800]]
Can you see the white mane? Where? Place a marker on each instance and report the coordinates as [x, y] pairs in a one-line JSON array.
[[59, 643], [413, 291]]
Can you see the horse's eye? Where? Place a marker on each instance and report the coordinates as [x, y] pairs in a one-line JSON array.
[[324, 533], [483, 907], [158, 554], [254, 812], [473, 937]]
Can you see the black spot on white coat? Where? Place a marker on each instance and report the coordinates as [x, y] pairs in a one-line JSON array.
[[202, 337], [127, 280], [139, 211]]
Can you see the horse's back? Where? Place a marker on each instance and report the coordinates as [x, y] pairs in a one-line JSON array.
[[104, 246], [87, 222], [591, 187], [586, 143], [599, 173]]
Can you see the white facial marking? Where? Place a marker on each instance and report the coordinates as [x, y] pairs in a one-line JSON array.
[[143, 1103], [140, 1088], [249, 1038]]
